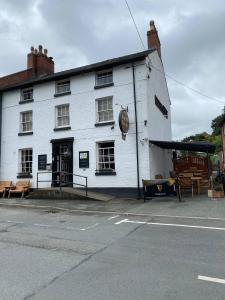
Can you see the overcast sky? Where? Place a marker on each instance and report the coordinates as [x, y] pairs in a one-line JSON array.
[[79, 32]]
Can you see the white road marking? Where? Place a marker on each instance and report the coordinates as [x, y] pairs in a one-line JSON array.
[[68, 227], [188, 226], [171, 225], [122, 221], [188, 217], [42, 225], [89, 227], [110, 212], [73, 228], [211, 279], [52, 226], [16, 222], [106, 212], [113, 217]]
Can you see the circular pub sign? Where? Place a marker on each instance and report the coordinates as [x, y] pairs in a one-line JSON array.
[[124, 121]]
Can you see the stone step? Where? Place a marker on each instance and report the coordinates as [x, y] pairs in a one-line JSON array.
[[68, 193]]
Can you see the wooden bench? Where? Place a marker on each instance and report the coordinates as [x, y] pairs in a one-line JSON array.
[[21, 187], [4, 186]]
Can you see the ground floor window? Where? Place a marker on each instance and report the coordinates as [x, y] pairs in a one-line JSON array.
[[26, 159], [106, 158]]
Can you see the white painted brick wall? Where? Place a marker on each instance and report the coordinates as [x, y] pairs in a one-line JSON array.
[[159, 127], [82, 120]]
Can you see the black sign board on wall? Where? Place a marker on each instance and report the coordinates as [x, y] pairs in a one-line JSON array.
[[42, 162], [84, 159]]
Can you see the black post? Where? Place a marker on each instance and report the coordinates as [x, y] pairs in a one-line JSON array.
[[86, 186], [136, 132], [37, 180], [60, 183], [208, 164]]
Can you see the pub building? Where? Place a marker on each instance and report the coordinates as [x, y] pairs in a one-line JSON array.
[[94, 121]]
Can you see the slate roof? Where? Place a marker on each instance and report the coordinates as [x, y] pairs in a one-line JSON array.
[[84, 69]]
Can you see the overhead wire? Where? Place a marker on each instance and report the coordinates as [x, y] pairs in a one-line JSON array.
[[166, 74]]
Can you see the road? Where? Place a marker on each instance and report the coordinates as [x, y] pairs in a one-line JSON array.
[[47, 255]]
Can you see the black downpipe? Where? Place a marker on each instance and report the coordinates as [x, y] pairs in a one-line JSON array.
[[136, 133]]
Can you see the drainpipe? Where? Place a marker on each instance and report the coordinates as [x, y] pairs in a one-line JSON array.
[[136, 132]]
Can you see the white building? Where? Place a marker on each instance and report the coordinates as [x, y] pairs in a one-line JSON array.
[[69, 121]]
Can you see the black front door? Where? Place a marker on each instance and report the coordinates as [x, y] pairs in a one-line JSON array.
[[62, 163]]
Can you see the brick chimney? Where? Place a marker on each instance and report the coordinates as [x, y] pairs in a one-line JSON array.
[[40, 62], [153, 38]]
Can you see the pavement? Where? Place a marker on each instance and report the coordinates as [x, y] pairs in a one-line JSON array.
[[198, 206]]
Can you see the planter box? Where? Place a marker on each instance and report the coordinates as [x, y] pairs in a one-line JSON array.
[[215, 194]]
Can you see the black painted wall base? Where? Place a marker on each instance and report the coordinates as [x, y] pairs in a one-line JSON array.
[[119, 192]]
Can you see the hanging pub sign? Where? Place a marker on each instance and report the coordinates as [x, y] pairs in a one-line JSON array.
[[124, 123], [42, 162], [84, 159]]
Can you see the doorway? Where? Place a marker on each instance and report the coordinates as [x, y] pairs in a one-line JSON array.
[[62, 162]]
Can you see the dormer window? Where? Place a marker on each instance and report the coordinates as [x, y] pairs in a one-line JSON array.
[[26, 95], [62, 87], [104, 78]]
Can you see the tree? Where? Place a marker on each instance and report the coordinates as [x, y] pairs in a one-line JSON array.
[[199, 137], [215, 125], [214, 138]]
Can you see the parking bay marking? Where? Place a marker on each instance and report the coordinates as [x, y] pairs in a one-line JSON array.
[[113, 217], [53, 226], [211, 279], [68, 227], [170, 225]]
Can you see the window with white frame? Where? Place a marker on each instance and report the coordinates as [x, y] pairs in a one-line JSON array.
[[27, 95], [63, 87], [26, 159], [104, 108], [62, 115], [104, 77], [106, 158], [26, 121]]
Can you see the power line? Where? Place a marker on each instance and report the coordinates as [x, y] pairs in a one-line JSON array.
[[167, 75], [135, 25], [186, 86]]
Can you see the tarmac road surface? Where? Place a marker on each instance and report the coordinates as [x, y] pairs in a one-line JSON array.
[[47, 255]]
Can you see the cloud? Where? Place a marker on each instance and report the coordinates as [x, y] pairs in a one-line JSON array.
[[81, 32]]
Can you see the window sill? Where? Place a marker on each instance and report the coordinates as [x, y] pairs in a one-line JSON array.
[[62, 128], [62, 94], [103, 85], [24, 175], [104, 123], [25, 133], [26, 101], [103, 173]]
